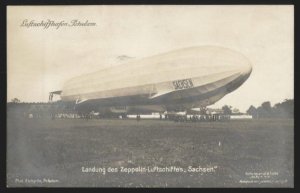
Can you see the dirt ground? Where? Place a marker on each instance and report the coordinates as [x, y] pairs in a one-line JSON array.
[[57, 153]]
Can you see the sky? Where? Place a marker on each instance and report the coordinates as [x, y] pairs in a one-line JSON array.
[[40, 60]]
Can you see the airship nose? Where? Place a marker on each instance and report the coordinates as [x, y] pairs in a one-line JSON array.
[[229, 60], [240, 63], [246, 68]]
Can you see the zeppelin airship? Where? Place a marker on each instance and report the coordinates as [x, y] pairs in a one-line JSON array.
[[175, 81]]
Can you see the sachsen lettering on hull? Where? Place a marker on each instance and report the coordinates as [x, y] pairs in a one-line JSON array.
[[182, 84]]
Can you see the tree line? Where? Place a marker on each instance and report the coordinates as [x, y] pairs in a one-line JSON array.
[[284, 109]]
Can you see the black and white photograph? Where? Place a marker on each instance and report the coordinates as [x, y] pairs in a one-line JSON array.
[[155, 96]]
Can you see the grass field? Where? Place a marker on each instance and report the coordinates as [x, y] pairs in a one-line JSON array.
[[242, 152]]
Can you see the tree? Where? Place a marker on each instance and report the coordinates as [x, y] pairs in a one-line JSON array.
[[284, 109], [266, 106], [15, 100], [236, 111], [265, 110], [227, 110], [252, 111]]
